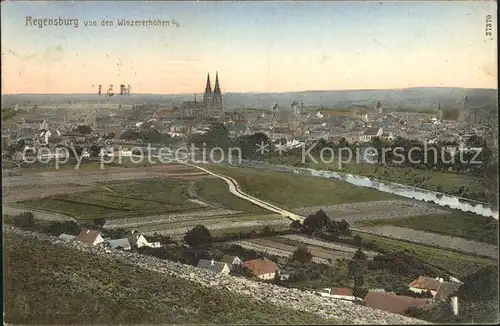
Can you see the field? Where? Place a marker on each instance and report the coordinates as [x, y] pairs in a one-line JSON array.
[[293, 190], [458, 264], [64, 286], [172, 227], [284, 246], [456, 224], [121, 199], [216, 192]]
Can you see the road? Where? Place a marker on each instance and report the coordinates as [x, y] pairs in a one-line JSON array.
[[429, 238], [234, 189]]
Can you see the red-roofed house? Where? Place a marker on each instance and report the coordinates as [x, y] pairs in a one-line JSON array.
[[263, 269], [390, 302]]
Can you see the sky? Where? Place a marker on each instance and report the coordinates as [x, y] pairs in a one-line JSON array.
[[254, 46]]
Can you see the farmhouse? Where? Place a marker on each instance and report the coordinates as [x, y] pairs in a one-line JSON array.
[[263, 269], [440, 290], [138, 240], [91, 237], [120, 243], [214, 266], [232, 261], [397, 304]]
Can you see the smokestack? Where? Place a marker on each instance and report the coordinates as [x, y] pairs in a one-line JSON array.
[[454, 305]]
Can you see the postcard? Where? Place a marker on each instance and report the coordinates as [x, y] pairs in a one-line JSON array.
[[250, 162]]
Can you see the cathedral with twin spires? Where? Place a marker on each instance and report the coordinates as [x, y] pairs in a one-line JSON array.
[[209, 106]]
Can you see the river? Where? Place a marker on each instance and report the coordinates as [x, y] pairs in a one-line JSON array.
[[441, 199]]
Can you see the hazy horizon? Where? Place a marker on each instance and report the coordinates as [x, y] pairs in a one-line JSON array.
[[256, 47], [298, 91]]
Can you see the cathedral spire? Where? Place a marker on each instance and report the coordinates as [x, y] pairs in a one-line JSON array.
[[217, 87], [208, 88]]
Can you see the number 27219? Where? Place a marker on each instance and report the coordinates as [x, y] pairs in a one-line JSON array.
[[489, 25]]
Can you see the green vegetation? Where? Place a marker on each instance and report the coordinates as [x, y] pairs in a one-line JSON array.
[[469, 226], [458, 264], [441, 181], [8, 113], [121, 199], [216, 191], [293, 190], [65, 286]]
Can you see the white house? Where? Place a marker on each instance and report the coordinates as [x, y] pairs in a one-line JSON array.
[[338, 293], [139, 241], [214, 266], [91, 237], [232, 261], [369, 133], [387, 135]]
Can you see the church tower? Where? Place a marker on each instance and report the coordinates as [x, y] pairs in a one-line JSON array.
[[207, 97], [465, 116], [217, 97]]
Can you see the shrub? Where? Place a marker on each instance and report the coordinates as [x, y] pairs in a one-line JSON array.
[[24, 219], [99, 222], [359, 255], [199, 235], [302, 255], [67, 227]]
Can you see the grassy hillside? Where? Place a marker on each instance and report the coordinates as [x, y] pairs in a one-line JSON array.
[[64, 286]]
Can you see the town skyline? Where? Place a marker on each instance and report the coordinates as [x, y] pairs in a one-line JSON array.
[[255, 47]]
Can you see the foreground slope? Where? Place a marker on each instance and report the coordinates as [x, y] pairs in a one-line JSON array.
[[75, 283], [65, 286]]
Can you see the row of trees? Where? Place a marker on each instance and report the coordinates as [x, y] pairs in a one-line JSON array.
[[320, 224]]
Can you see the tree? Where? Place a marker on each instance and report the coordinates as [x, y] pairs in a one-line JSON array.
[[68, 227], [99, 222], [343, 227], [295, 225], [94, 150], [359, 255], [354, 269], [199, 235], [358, 290], [24, 219], [302, 255], [357, 239], [316, 222], [480, 286]]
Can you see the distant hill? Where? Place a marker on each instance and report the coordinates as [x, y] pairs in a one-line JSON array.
[[419, 98]]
